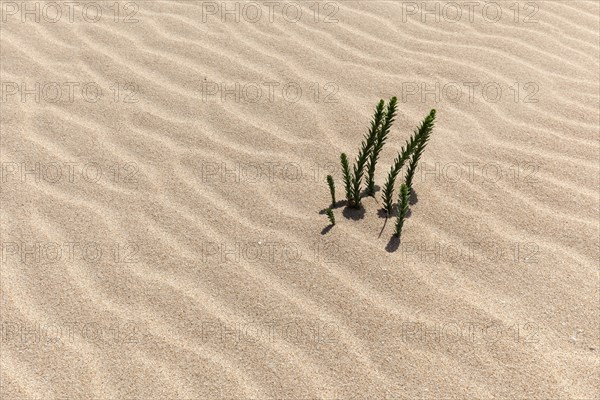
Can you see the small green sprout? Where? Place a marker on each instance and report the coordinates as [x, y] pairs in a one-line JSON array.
[[402, 209], [331, 189], [330, 216]]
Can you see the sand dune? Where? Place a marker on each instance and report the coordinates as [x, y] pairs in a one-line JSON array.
[[163, 173]]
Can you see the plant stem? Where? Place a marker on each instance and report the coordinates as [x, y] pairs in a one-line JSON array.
[[427, 128], [331, 189], [330, 216], [347, 176], [416, 143], [388, 187], [402, 209], [363, 154], [382, 133]]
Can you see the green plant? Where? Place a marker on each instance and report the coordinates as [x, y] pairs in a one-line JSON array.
[[330, 215], [426, 129], [363, 155], [416, 141], [331, 189], [382, 132], [388, 188], [366, 161], [402, 209], [347, 176]]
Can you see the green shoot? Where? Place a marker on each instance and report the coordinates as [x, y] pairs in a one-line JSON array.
[[426, 129], [330, 216], [363, 155], [364, 165], [347, 176], [388, 187], [331, 189], [382, 133], [402, 209], [419, 138]]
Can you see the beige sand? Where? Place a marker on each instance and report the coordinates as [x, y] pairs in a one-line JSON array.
[[164, 241]]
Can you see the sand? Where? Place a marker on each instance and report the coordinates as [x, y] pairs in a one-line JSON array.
[[163, 182]]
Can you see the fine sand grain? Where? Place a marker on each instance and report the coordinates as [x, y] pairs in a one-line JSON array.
[[161, 228]]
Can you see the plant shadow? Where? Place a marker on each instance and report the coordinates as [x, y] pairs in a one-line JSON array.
[[382, 213], [413, 197], [354, 214], [326, 230], [382, 228], [393, 244], [337, 204], [376, 189], [344, 203]]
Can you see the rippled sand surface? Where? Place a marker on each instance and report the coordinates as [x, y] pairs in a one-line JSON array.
[[163, 174]]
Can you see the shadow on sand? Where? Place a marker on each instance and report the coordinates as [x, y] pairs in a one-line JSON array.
[[326, 230], [413, 197], [393, 244]]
